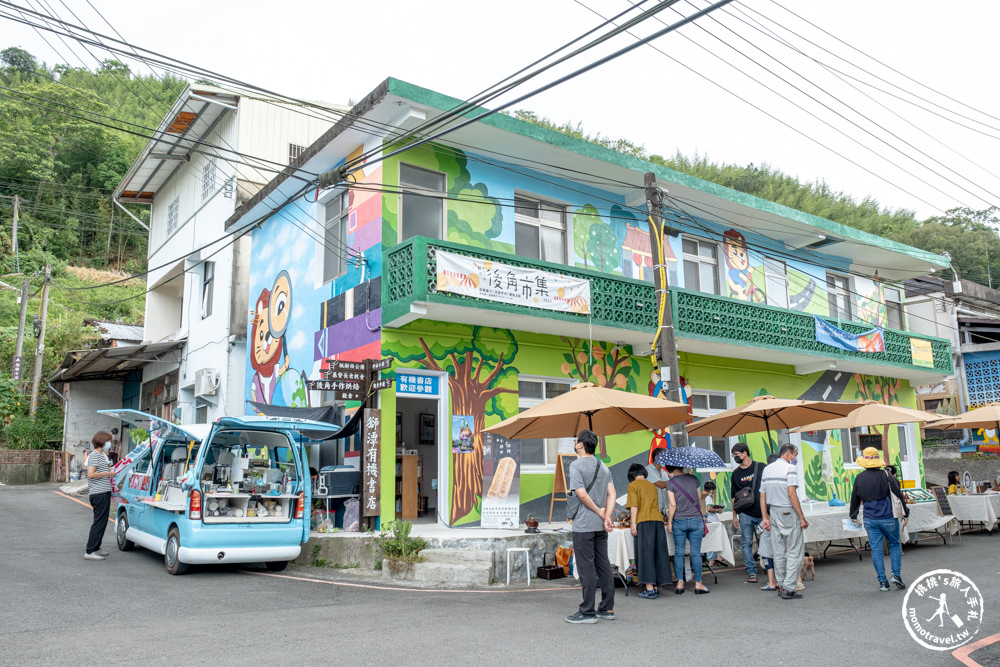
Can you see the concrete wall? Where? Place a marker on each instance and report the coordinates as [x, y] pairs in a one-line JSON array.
[[25, 466], [84, 399]]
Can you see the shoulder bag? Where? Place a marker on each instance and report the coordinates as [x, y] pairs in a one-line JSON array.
[[573, 503], [898, 511], [745, 498], [695, 503]]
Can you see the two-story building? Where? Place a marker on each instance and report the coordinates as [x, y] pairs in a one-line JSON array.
[[214, 149], [504, 262]]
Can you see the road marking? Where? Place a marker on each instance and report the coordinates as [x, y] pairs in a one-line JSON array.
[[349, 585], [411, 590], [962, 654], [77, 500]]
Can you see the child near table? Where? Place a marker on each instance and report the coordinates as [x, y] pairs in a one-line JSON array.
[[651, 555], [711, 516]]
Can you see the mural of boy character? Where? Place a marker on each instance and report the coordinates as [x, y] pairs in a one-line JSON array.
[[739, 276], [267, 351]]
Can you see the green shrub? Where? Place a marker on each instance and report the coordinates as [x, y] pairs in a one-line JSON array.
[[394, 543]]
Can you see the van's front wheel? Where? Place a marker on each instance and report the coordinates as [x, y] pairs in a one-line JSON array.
[[121, 528], [172, 559], [276, 565]]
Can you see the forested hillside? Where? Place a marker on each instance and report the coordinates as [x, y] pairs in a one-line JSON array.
[[67, 136], [969, 236]]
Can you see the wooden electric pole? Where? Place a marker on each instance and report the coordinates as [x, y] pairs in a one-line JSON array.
[[666, 345], [37, 377], [17, 372]]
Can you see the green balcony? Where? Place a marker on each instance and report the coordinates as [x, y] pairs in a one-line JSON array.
[[623, 309], [712, 324]]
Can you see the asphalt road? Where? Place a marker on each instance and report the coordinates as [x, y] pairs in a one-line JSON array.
[[56, 608]]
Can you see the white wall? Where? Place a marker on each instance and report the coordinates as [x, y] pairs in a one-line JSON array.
[[81, 421]]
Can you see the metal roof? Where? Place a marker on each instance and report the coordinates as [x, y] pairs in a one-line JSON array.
[[115, 363], [117, 330], [191, 118]]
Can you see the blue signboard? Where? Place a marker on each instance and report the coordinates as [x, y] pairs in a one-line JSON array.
[[416, 384]]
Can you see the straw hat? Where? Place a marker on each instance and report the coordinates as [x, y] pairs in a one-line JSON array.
[[870, 458]]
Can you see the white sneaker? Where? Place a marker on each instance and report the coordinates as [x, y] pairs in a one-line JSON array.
[[102, 552], [93, 556]]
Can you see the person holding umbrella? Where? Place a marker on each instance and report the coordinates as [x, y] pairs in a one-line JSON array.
[[872, 488], [685, 523]]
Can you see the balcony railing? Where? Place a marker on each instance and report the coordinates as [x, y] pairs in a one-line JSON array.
[[410, 269], [723, 320]]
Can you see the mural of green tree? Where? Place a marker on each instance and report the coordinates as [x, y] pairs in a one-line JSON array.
[[882, 390], [476, 359], [606, 365], [583, 218], [604, 248]]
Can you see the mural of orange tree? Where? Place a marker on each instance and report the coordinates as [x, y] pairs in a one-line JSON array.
[[606, 365], [476, 359], [882, 390]]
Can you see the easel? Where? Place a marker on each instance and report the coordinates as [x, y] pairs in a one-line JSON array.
[[561, 482]]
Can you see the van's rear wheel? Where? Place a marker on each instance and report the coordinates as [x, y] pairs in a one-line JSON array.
[[172, 559], [121, 528], [276, 565]]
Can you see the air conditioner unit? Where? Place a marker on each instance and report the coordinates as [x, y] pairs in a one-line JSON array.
[[206, 381]]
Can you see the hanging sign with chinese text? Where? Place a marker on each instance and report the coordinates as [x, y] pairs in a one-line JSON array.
[[869, 341], [371, 459], [516, 285]]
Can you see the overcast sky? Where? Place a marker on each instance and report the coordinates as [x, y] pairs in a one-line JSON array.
[[883, 145]]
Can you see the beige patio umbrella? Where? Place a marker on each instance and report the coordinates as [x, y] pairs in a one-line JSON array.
[[987, 416], [603, 411], [766, 412], [871, 413]]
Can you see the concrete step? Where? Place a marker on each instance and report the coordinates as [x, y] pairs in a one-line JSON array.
[[470, 557], [467, 573]]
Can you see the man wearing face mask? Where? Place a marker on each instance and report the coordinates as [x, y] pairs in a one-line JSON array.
[[782, 515], [746, 476]]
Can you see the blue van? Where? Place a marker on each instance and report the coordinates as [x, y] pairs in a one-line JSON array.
[[236, 491]]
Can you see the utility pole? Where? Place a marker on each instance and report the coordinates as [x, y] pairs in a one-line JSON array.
[[17, 261], [36, 379], [17, 372], [666, 345]]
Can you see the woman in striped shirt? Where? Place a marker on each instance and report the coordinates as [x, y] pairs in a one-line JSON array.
[[99, 484]]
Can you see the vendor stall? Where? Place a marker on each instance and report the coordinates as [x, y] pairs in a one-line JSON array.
[[982, 509]]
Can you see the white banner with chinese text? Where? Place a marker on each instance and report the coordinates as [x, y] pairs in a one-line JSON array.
[[516, 285]]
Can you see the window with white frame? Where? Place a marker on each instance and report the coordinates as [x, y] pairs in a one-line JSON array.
[[539, 230], [775, 282], [538, 451], [893, 308], [701, 265], [705, 404], [294, 151], [208, 179], [173, 215], [335, 249], [838, 294], [207, 288], [421, 202], [849, 444]]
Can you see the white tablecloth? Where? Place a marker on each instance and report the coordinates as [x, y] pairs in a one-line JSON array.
[[829, 525], [621, 545], [926, 518], [982, 508]]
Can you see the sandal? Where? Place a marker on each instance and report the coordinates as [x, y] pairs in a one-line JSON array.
[[800, 587], [768, 587], [752, 579]]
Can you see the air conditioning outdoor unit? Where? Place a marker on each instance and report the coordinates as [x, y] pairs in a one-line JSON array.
[[206, 381]]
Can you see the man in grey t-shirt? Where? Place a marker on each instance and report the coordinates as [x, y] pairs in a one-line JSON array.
[[590, 530]]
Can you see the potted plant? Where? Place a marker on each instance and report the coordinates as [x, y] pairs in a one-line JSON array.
[[397, 549]]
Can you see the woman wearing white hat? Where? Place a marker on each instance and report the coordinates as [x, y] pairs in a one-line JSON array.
[[873, 488]]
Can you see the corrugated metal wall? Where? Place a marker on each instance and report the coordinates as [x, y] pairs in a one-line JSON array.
[[266, 130]]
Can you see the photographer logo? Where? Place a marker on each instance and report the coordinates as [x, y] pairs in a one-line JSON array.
[[943, 610]]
